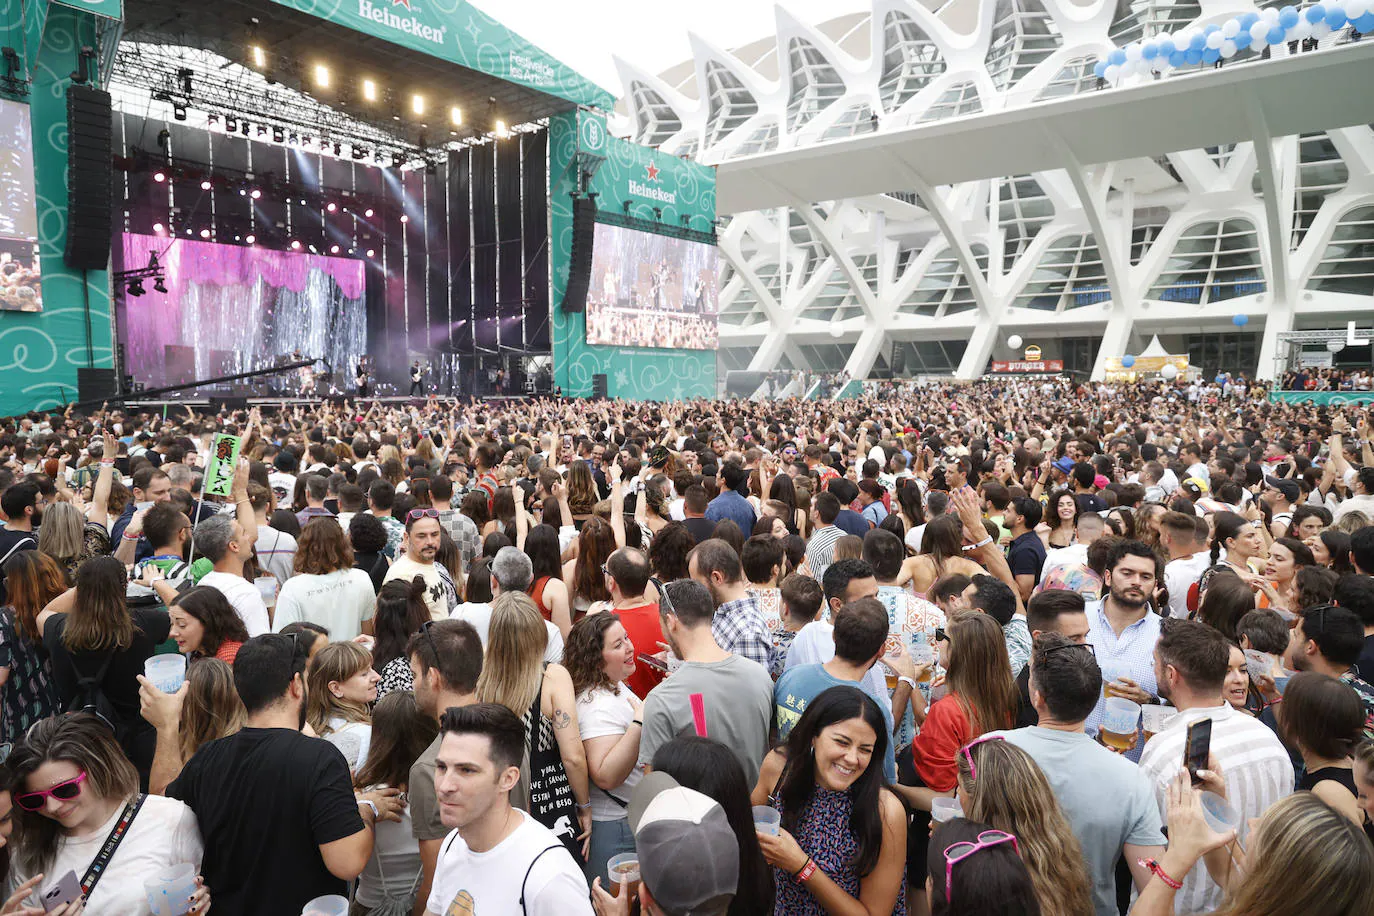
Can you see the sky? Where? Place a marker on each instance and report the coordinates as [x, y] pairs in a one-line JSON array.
[[651, 34]]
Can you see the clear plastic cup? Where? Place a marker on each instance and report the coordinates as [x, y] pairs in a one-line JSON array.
[[1119, 723], [767, 820], [623, 868], [945, 809], [1259, 664], [267, 588], [924, 653], [1156, 718], [328, 905], [167, 672], [169, 893], [1218, 813]]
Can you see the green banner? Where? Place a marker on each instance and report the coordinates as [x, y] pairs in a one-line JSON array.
[[1337, 398], [456, 31], [110, 9]]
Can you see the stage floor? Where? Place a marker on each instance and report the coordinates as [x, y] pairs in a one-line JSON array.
[[170, 403]]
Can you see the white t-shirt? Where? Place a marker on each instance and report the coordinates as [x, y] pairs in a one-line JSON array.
[[1180, 575], [339, 601], [470, 882], [479, 615], [165, 833], [602, 714], [353, 739], [1056, 557], [245, 598], [276, 552], [407, 569], [284, 486]]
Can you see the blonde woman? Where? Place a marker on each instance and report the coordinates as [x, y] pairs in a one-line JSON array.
[[340, 687], [515, 675], [999, 784], [69, 539]]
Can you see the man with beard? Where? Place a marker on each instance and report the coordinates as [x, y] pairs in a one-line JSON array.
[[1328, 639], [276, 809], [421, 546], [1123, 630], [1190, 667], [23, 506]]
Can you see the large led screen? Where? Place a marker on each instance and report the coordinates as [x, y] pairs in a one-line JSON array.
[[20, 281], [650, 290]]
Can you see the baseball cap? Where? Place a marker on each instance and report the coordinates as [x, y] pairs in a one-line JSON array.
[[1289, 488], [1196, 483], [1064, 464], [688, 855]]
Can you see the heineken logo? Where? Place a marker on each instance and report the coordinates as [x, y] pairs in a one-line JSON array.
[[392, 20]]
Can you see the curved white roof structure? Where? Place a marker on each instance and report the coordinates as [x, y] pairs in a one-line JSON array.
[[908, 188]]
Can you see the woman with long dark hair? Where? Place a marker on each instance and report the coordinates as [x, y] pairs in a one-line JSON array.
[[205, 624], [942, 553], [784, 490], [586, 581], [843, 835], [29, 693], [1331, 548], [710, 768], [976, 870], [98, 646], [401, 613], [668, 552], [547, 588], [1061, 517]]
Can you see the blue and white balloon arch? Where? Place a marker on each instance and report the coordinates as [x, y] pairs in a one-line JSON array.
[[1196, 45]]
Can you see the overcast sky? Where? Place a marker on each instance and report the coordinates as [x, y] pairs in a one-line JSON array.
[[649, 33]]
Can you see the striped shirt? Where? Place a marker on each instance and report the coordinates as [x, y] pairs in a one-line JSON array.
[[820, 551], [1258, 773], [1130, 655]]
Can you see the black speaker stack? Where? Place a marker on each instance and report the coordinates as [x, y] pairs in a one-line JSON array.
[[580, 268], [90, 207], [599, 386], [96, 384]]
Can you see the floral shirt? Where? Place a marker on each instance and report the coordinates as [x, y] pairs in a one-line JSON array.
[[29, 693]]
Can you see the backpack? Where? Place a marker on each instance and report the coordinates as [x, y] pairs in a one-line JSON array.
[[90, 698]]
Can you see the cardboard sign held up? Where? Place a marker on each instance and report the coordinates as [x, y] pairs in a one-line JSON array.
[[224, 457]]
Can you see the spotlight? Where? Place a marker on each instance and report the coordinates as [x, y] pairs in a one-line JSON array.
[[500, 128], [278, 135], [205, 233], [159, 285], [255, 194], [405, 218], [314, 250], [397, 160], [379, 158], [294, 137], [184, 74], [455, 114], [370, 253], [417, 104], [259, 56], [262, 130], [333, 249], [338, 148], [331, 206], [205, 185], [164, 137], [359, 152], [243, 192], [159, 176], [305, 142], [295, 245], [322, 76], [136, 288], [250, 238], [158, 228], [368, 213], [245, 128], [213, 120], [179, 112], [370, 90]]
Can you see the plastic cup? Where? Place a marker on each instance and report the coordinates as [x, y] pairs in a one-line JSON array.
[[169, 893], [1218, 814], [167, 672], [945, 809], [1156, 718], [767, 820], [623, 868], [1259, 663], [1120, 721], [267, 588], [924, 653], [328, 905]]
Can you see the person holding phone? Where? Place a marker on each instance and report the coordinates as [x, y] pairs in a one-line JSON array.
[[76, 796], [1191, 659]]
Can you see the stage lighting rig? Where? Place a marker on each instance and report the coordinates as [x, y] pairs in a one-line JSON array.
[[133, 279], [14, 80]]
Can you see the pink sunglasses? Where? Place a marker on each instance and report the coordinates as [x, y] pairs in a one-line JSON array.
[[972, 769], [958, 852]]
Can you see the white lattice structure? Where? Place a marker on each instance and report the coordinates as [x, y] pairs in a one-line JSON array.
[[938, 278]]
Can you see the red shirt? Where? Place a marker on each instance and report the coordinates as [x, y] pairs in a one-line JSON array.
[[946, 729], [645, 630], [228, 651]]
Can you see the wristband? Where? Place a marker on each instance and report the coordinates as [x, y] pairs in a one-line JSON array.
[[1159, 872], [806, 871], [910, 682], [584, 807], [371, 804], [637, 722], [983, 543], [126, 536]]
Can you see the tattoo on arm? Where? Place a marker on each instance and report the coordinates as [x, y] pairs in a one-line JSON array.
[[561, 719]]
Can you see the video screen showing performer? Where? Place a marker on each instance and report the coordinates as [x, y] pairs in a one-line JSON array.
[[650, 290]]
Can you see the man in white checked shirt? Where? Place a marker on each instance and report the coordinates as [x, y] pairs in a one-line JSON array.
[[1190, 666]]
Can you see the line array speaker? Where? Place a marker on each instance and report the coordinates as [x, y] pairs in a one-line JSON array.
[[580, 267], [599, 386], [90, 207]]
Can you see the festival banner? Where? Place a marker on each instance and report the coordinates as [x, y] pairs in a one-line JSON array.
[[1039, 365], [1322, 398]]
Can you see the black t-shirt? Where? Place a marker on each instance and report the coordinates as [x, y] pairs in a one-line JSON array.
[[11, 542], [120, 684], [701, 528], [266, 800], [1364, 666]]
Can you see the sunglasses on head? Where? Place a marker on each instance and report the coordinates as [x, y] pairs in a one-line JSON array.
[[414, 514], [958, 852], [972, 768], [62, 791]]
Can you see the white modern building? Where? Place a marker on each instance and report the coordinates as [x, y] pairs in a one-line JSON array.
[[905, 189]]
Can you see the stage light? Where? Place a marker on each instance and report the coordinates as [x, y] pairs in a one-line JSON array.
[[370, 90], [331, 206], [245, 128], [136, 288], [159, 176], [231, 123], [295, 245], [262, 130], [333, 249], [213, 120], [314, 250], [338, 148], [278, 135], [294, 137], [500, 128], [322, 76], [368, 213], [259, 56], [455, 114], [370, 252], [179, 112], [397, 160], [255, 194], [159, 285], [405, 218], [205, 185], [359, 152], [417, 104], [205, 233], [250, 238], [158, 228], [379, 158]]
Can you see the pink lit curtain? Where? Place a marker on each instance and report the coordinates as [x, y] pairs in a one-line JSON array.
[[189, 261]]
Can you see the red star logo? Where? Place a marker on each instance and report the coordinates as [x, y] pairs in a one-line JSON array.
[[405, 3], [652, 172]]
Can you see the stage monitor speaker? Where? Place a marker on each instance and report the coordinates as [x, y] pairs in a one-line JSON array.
[[96, 384], [599, 386], [231, 402], [898, 360], [90, 207], [580, 266]]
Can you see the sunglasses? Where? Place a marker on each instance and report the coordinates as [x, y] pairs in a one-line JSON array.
[[972, 768], [429, 637], [1073, 645], [941, 635], [413, 514], [958, 852], [63, 791]]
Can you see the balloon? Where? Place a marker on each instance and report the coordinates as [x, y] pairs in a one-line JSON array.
[[1246, 20], [1228, 49], [1269, 15], [1113, 73], [1288, 17], [1357, 8], [1336, 19], [1314, 13], [1100, 69], [1365, 24], [1117, 57], [1014, 341], [1321, 29], [1214, 40], [1231, 28], [1197, 43], [1259, 31], [1208, 30], [1211, 56], [1168, 372], [1276, 35], [1240, 321], [1128, 360], [1178, 59], [1193, 56]]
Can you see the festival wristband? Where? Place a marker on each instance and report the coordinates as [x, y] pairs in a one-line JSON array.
[[1156, 869], [806, 871]]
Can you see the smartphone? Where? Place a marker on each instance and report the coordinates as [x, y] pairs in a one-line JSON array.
[[1197, 747], [66, 890], [653, 662]]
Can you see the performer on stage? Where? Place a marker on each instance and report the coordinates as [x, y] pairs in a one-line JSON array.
[[417, 386], [362, 381]]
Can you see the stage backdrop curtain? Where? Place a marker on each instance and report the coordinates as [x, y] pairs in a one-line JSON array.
[[240, 308]]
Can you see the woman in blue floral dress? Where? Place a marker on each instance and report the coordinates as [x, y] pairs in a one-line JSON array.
[[843, 836], [27, 692]]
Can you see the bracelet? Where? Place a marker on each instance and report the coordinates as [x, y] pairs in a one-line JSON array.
[[1274, 702], [983, 543], [637, 722], [371, 804], [910, 682], [125, 536], [1158, 871], [584, 807], [806, 871]]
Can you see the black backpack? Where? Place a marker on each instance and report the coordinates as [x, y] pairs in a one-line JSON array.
[[90, 698]]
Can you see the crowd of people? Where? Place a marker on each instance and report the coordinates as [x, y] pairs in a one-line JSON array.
[[963, 649]]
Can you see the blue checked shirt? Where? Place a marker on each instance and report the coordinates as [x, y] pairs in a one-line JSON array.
[[1131, 655], [739, 629]]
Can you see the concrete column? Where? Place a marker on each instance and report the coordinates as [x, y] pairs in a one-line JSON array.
[[1114, 339]]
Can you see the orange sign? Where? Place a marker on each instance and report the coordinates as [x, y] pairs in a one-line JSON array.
[[1032, 354]]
